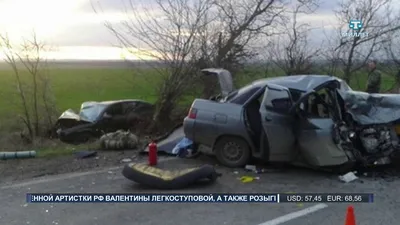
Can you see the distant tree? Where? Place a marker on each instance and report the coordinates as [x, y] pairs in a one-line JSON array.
[[28, 66], [291, 50], [186, 36], [352, 52], [231, 28], [167, 32], [392, 49]]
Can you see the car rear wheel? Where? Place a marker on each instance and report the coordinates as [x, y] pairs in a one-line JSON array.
[[232, 152]]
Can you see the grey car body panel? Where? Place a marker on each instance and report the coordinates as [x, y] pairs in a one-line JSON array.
[[315, 141], [369, 109], [213, 120], [304, 140], [278, 125], [224, 78], [305, 83]]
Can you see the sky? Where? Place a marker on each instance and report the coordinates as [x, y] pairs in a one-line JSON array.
[[76, 31]]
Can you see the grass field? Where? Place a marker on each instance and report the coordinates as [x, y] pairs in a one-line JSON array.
[[71, 87]]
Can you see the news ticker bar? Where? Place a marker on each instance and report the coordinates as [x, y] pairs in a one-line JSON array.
[[205, 198]]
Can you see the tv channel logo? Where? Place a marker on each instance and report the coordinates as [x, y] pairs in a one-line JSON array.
[[355, 28], [355, 24]]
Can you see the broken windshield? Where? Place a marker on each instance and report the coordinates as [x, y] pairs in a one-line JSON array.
[[90, 112]]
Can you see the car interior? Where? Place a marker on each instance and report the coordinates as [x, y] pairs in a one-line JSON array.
[[316, 106], [253, 117], [113, 111]]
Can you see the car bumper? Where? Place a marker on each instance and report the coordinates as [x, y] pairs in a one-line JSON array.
[[188, 128]]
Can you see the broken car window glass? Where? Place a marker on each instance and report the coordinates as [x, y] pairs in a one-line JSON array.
[[91, 112], [278, 100]]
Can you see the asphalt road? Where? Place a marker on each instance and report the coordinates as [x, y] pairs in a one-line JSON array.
[[14, 209]]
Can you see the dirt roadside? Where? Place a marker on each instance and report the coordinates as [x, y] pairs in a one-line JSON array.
[[21, 169]]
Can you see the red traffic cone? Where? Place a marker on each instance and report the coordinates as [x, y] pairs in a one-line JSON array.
[[350, 217]]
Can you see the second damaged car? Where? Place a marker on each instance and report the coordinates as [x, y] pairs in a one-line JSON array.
[[310, 120], [97, 118]]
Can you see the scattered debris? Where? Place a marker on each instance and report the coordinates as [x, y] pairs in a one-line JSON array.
[[247, 179], [235, 172], [85, 154], [254, 169], [126, 160], [182, 147], [17, 155], [119, 140], [250, 168], [348, 177]]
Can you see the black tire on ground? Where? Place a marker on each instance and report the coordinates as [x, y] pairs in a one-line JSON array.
[[232, 152]]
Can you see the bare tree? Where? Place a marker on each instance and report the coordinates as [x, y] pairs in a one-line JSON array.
[[33, 85], [167, 32], [189, 35], [354, 47], [392, 50], [232, 27], [291, 51]]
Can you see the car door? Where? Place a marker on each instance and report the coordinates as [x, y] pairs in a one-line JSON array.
[[138, 114], [278, 123], [314, 129], [113, 118]]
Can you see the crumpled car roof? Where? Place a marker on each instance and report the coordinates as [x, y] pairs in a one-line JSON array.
[[112, 102], [368, 109], [302, 83]]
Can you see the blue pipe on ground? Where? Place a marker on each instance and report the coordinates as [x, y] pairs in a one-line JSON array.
[[17, 155]]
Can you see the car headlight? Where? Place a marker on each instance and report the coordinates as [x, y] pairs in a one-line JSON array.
[[352, 134]]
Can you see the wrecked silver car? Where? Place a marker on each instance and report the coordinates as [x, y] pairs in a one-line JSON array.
[[97, 118], [316, 121]]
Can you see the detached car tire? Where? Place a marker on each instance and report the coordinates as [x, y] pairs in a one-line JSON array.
[[232, 152]]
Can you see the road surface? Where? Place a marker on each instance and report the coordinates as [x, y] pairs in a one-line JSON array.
[[14, 209]]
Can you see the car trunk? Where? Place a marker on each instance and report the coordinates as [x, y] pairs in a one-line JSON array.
[[224, 79]]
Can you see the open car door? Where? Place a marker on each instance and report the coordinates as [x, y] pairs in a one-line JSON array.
[[314, 129], [278, 123]]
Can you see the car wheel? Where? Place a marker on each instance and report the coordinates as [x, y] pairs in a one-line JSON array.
[[232, 152]]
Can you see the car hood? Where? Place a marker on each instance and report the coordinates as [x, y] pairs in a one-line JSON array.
[[224, 78], [71, 115], [368, 109]]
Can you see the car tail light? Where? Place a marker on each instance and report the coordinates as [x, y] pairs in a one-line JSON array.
[[192, 113]]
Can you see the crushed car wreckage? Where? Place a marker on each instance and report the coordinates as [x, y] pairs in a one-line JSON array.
[[316, 121], [97, 118]]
